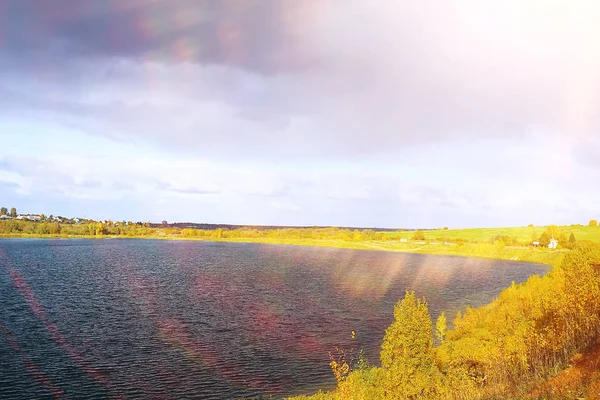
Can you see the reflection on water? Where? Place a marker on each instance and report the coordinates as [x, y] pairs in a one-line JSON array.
[[154, 319]]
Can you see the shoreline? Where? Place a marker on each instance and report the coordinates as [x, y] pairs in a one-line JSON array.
[[472, 250]]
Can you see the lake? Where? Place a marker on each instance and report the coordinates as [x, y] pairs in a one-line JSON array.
[[94, 319]]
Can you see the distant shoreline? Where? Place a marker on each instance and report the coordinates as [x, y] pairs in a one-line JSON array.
[[475, 250]]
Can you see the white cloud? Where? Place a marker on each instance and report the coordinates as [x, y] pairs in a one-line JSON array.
[[466, 110]]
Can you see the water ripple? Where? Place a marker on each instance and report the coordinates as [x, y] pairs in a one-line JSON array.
[[140, 319]]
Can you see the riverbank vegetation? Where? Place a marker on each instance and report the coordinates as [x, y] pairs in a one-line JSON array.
[[521, 236], [500, 246], [514, 347]]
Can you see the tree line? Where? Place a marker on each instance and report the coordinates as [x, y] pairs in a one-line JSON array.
[[85, 229]]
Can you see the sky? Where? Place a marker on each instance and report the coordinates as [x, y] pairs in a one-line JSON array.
[[397, 114]]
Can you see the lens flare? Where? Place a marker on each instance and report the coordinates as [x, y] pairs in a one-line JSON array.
[[31, 367], [39, 311]]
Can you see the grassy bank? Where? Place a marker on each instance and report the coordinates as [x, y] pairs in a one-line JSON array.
[[482, 250], [522, 234]]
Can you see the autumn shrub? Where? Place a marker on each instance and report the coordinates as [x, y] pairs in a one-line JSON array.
[[418, 236]]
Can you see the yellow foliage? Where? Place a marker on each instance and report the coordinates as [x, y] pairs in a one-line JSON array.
[[501, 350]]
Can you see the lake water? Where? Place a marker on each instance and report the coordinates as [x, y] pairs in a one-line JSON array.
[[140, 319]]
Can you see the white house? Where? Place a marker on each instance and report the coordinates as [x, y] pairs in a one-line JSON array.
[[553, 244], [536, 244], [404, 240]]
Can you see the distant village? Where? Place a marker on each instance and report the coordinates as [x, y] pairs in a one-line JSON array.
[[40, 218], [5, 214]]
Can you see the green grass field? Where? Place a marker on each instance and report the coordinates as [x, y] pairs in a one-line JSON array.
[[478, 242], [523, 234]]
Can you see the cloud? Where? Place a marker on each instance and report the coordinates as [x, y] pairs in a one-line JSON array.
[[323, 79], [463, 107], [252, 34]]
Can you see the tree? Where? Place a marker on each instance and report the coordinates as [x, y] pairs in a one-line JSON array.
[[534, 237], [419, 236], [3, 211], [552, 231], [13, 212], [406, 355], [572, 239], [593, 222], [544, 239], [440, 327], [563, 240]]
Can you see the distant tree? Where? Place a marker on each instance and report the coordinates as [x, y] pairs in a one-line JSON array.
[[535, 237], [3, 211], [446, 228], [419, 236], [544, 239], [572, 239], [505, 239], [530, 226], [593, 222], [552, 231], [13, 212], [563, 240]]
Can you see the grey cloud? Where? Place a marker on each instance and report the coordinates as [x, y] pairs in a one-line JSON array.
[[338, 79], [252, 34]]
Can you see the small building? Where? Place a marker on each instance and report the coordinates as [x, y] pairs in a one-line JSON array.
[[404, 240], [536, 244], [553, 244]]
